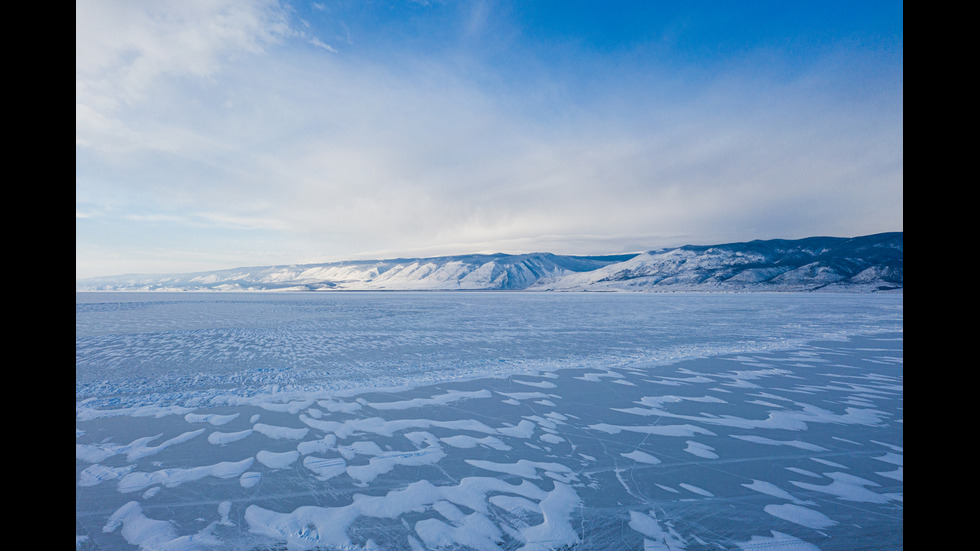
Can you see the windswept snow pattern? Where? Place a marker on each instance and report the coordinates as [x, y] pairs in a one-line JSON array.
[[788, 437]]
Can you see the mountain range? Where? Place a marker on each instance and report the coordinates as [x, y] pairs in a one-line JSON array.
[[871, 263]]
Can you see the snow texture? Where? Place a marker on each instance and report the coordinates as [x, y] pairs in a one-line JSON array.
[[784, 432]]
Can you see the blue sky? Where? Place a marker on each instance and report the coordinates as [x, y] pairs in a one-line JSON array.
[[218, 134]]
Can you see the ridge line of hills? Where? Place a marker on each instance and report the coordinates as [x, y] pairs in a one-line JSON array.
[[871, 263]]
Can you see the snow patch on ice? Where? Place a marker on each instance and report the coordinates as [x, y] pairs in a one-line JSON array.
[[211, 418], [325, 468], [700, 450], [551, 438], [307, 527], [657, 539], [249, 479], [695, 489], [771, 442], [280, 432], [771, 489], [277, 460], [804, 472], [525, 395], [139, 530], [523, 468], [323, 445], [896, 474], [660, 430], [893, 458], [439, 400], [474, 531], [85, 413], [779, 541], [97, 473], [136, 481], [849, 488], [386, 462], [465, 441], [641, 457], [222, 438], [539, 384], [800, 515]]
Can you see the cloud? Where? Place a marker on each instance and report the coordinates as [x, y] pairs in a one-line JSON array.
[[244, 126], [320, 44], [126, 53]]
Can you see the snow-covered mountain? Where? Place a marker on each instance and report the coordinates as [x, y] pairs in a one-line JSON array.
[[860, 264], [473, 272], [869, 263]]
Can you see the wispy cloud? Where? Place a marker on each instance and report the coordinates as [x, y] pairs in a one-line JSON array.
[[129, 56], [222, 115], [320, 44]]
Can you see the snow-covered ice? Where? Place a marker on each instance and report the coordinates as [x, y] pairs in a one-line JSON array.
[[262, 422]]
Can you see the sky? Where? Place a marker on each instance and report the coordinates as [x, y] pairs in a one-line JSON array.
[[214, 134]]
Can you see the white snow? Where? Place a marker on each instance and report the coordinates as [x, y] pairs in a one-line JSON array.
[[223, 438], [309, 526], [210, 418], [849, 488], [466, 441], [800, 515], [696, 489], [386, 462], [773, 442], [95, 474], [522, 468], [780, 541], [137, 481], [659, 430], [439, 400], [328, 442], [656, 538], [280, 432], [641, 457], [249, 479], [700, 450], [771, 489], [139, 530], [277, 460], [325, 468]]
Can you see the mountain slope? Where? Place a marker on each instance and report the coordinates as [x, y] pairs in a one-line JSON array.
[[860, 264], [869, 263], [490, 272]]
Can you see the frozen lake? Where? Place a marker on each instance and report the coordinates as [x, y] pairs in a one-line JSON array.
[[488, 420]]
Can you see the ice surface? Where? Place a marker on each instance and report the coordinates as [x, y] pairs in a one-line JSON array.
[[489, 421]]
